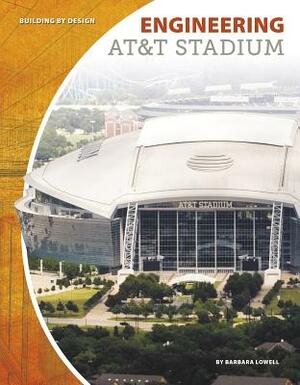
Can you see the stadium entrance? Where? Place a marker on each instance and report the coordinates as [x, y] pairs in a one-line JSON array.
[[203, 236]]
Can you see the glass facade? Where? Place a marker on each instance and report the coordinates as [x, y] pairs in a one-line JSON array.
[[168, 239], [225, 241], [262, 236], [198, 239], [149, 234], [206, 239], [187, 239], [245, 231]]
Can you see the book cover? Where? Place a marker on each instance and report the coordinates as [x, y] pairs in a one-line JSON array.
[[150, 196]]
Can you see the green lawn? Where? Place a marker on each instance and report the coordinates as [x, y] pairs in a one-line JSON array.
[[292, 294], [183, 298], [78, 296]]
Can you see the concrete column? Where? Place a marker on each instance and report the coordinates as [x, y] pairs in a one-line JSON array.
[[60, 269], [41, 266], [196, 239], [158, 233], [177, 240], [234, 241], [80, 268], [216, 251], [254, 233], [140, 244]]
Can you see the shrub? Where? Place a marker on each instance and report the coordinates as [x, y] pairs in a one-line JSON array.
[[60, 306], [70, 305], [49, 308], [95, 298], [272, 293]]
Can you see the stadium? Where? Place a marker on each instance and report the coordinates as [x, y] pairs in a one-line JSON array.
[[193, 193]]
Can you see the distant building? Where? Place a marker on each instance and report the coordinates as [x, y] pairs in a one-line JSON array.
[[120, 122], [261, 86], [78, 131], [238, 380], [179, 91], [127, 379], [270, 346], [218, 88]]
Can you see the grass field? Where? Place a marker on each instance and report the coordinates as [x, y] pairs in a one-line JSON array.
[[292, 294], [183, 298], [78, 296]]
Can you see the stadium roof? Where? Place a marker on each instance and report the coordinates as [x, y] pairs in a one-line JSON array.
[[219, 128], [190, 156]]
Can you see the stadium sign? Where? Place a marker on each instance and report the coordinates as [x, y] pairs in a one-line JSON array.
[[205, 205]]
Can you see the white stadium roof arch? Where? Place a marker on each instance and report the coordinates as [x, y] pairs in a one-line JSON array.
[[262, 153]]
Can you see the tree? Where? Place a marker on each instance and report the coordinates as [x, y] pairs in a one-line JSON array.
[[159, 311], [70, 346], [146, 308], [52, 145], [213, 309], [116, 331], [128, 332], [84, 362], [88, 281], [203, 316], [240, 301], [134, 309], [117, 309], [60, 306], [204, 291], [170, 311], [142, 285], [238, 283], [97, 332], [97, 281], [70, 305], [42, 306], [258, 312], [53, 288], [49, 308], [71, 270], [229, 313], [185, 310]]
